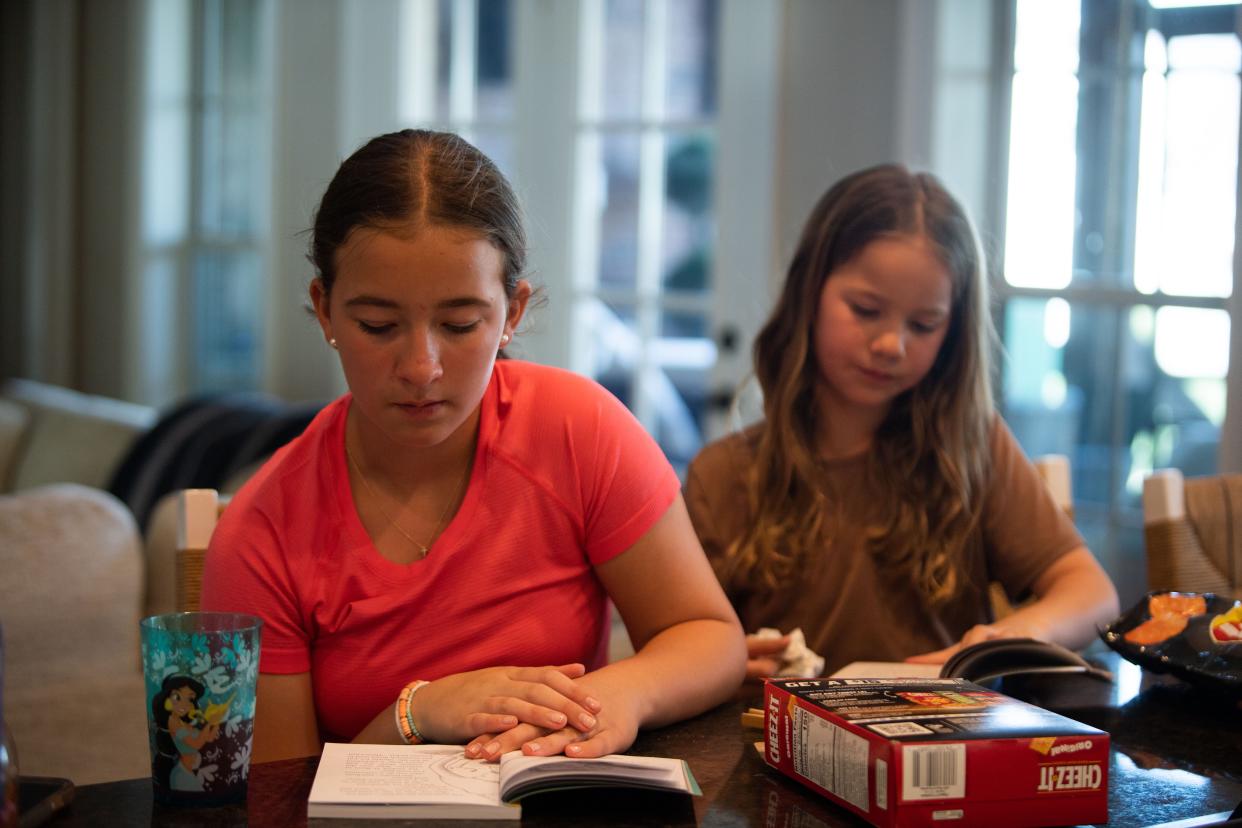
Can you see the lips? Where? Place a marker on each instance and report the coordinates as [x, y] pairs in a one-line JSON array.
[[426, 408], [876, 376]]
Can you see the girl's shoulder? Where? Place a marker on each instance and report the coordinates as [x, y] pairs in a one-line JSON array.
[[1003, 446], [552, 422], [726, 458], [529, 386]]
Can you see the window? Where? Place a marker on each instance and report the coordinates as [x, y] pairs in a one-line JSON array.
[[456, 71], [204, 197], [642, 258], [1119, 245]]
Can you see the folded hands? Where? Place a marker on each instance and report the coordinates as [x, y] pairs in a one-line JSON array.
[[541, 711]]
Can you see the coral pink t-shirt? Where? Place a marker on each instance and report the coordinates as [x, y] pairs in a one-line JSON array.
[[564, 478]]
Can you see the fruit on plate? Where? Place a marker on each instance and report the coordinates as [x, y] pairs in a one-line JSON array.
[[1177, 603], [1170, 613], [1157, 629], [1227, 627]]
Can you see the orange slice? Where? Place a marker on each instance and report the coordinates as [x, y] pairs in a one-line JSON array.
[[1177, 603], [1155, 630]]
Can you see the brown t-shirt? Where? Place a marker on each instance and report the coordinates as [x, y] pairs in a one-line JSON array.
[[849, 605]]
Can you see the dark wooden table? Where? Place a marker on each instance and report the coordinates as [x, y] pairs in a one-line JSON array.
[[1177, 754]]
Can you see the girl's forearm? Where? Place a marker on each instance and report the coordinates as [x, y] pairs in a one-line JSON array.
[[680, 672], [1069, 623], [382, 730], [1072, 605]]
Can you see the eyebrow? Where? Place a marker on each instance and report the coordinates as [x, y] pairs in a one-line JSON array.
[[365, 301]]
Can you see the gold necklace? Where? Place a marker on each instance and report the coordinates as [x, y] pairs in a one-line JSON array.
[[423, 548]]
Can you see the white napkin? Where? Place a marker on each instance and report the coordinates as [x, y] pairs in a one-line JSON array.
[[797, 659]]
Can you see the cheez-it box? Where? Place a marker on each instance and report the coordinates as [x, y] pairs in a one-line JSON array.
[[942, 752]]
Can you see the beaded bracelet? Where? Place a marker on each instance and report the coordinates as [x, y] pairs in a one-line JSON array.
[[401, 725], [405, 719]]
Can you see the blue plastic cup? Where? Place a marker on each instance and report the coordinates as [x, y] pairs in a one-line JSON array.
[[201, 671]]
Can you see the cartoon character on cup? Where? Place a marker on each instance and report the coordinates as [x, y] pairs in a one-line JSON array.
[[181, 732]]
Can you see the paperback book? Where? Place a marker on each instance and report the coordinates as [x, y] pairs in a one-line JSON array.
[[439, 782], [985, 662]]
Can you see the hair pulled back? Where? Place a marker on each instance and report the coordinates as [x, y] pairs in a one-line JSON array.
[[412, 178]]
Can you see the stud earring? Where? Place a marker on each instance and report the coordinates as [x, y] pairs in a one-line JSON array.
[[332, 342], [504, 340]]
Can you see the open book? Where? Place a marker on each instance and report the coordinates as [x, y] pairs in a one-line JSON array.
[[984, 661], [439, 782]]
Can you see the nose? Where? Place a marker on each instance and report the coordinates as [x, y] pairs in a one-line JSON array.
[[419, 360], [889, 344]]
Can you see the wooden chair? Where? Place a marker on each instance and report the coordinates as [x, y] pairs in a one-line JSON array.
[[1054, 470], [198, 510], [1193, 532]]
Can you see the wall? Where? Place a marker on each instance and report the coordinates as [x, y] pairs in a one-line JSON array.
[[839, 76]]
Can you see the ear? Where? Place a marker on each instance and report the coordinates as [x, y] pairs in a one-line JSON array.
[[516, 307], [319, 300]]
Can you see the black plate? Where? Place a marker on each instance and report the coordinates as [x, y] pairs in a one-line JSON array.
[[1191, 654]]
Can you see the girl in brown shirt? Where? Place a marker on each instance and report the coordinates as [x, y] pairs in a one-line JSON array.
[[881, 492]]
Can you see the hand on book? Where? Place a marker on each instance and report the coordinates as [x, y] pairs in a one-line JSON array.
[[614, 730], [976, 634], [496, 699]]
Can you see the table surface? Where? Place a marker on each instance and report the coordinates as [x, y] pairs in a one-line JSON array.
[[1177, 754]]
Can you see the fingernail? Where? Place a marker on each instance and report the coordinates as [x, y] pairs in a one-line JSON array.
[[557, 719], [509, 721], [472, 750], [491, 748], [593, 704], [533, 747], [574, 749], [588, 721]]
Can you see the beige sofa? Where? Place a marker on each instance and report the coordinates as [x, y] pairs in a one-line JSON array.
[[74, 584], [77, 577], [70, 599], [50, 434]]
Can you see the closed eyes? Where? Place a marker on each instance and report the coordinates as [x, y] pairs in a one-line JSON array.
[[374, 330], [385, 328], [918, 326], [863, 312], [925, 327]]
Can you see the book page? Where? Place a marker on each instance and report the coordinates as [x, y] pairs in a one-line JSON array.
[[887, 669], [517, 769], [407, 774]]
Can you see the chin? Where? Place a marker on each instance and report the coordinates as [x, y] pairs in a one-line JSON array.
[[872, 399], [422, 438]]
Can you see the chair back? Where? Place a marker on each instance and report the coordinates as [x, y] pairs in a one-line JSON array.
[[198, 510], [1054, 470], [1193, 532]]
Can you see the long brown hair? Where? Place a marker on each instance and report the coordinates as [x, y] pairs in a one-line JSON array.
[[930, 455]]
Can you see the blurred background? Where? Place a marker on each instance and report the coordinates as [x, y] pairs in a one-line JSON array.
[[162, 159]]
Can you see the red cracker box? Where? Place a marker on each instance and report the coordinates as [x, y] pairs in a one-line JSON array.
[[942, 752]]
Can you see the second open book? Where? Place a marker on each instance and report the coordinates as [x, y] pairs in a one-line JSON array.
[[438, 781], [984, 661]]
